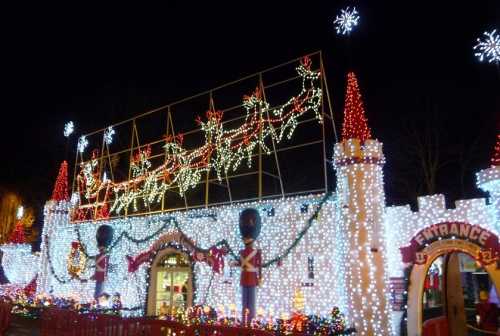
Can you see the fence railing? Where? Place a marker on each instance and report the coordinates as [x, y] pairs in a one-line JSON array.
[[5, 317], [63, 322]]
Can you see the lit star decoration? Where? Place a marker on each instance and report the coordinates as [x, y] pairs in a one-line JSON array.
[[69, 127], [82, 143], [108, 135], [346, 21], [488, 47]]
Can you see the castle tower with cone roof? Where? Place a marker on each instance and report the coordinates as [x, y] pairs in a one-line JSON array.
[[358, 161]]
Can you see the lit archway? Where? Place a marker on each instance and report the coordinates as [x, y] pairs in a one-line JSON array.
[[435, 247]]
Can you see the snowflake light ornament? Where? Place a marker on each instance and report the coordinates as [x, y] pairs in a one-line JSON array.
[[488, 47], [108, 135], [346, 21], [82, 143], [69, 127]]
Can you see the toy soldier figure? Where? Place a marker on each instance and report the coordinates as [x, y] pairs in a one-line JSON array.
[[104, 236], [250, 263], [101, 270]]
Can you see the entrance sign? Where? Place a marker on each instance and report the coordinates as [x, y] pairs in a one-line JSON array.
[[456, 231]]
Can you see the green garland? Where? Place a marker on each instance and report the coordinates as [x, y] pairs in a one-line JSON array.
[[222, 243]]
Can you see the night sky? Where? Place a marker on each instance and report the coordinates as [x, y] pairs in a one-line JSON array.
[[97, 66]]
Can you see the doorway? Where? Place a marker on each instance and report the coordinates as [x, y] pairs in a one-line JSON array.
[[459, 298], [171, 287]]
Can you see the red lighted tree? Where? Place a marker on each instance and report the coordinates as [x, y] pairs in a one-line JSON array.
[[60, 192], [495, 160], [17, 236], [355, 122]]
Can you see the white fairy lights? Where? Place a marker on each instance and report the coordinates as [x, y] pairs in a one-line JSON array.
[[346, 21], [278, 232], [224, 149], [69, 127], [488, 47], [82, 143], [20, 212], [108, 135], [360, 239], [19, 264]]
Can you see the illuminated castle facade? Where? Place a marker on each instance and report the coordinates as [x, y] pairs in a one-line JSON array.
[[340, 249]]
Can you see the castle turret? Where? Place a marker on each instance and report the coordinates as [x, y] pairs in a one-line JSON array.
[[489, 181], [358, 161]]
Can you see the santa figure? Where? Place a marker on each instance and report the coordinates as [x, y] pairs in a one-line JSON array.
[[250, 263]]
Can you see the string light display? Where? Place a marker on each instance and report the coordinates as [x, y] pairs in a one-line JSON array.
[[320, 251], [359, 241], [60, 191], [278, 233], [488, 47], [82, 143], [19, 264], [108, 135], [224, 149], [355, 123], [346, 21], [69, 127]]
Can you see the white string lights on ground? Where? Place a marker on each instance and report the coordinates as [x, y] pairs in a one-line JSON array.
[[488, 47]]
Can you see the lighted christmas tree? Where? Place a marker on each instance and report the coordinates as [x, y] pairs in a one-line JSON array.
[[355, 122], [17, 236], [60, 192], [495, 160]]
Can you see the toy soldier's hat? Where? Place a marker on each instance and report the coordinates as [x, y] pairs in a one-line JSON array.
[[249, 225]]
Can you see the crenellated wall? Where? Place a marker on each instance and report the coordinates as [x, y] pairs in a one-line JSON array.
[[402, 223]]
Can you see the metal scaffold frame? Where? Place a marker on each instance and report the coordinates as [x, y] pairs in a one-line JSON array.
[[265, 164]]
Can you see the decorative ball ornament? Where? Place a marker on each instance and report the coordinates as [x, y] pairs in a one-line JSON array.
[[76, 260], [104, 236], [250, 224]]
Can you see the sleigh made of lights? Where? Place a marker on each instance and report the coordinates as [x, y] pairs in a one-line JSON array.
[[222, 152]]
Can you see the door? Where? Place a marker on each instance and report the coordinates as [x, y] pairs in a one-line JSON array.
[[171, 285]]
